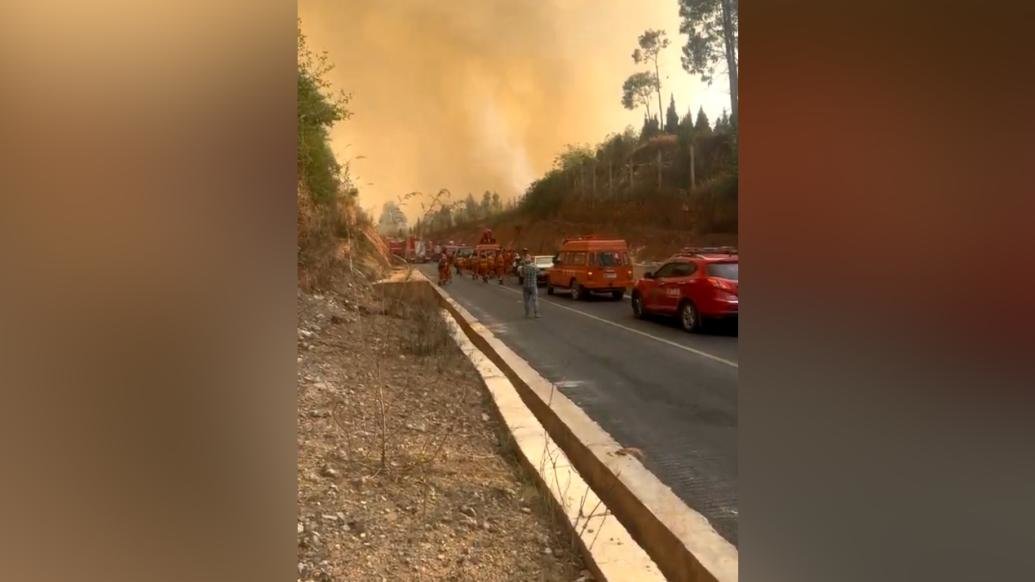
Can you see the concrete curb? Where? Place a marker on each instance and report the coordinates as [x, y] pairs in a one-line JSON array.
[[681, 542], [610, 552]]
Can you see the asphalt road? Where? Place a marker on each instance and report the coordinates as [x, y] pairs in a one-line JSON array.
[[648, 383]]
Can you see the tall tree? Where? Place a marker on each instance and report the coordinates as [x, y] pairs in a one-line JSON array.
[[392, 219], [497, 204], [711, 27], [319, 108], [723, 122], [671, 117], [651, 42], [470, 207], [701, 126], [650, 129], [637, 90], [486, 207]]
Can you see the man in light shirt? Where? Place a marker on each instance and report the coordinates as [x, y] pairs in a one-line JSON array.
[[530, 284]]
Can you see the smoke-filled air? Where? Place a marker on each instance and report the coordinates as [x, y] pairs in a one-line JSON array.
[[476, 95]]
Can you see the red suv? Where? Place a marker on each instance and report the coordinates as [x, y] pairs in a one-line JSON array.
[[694, 284]]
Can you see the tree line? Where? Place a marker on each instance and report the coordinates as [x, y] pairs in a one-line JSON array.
[[443, 213], [686, 163]]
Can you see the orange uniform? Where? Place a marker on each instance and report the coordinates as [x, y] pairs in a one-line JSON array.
[[444, 274], [501, 265]]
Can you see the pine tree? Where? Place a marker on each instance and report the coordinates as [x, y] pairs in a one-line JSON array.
[[392, 219], [671, 117], [650, 129], [686, 123], [723, 123], [486, 208], [701, 126]]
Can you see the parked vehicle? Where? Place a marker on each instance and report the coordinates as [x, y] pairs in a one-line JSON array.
[[397, 248], [694, 284], [591, 264], [544, 263]]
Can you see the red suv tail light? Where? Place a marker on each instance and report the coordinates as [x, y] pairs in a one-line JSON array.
[[720, 284], [727, 297]]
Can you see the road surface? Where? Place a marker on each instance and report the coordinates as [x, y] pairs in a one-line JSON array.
[[648, 383]]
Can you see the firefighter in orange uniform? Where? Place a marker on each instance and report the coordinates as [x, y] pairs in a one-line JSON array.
[[508, 261], [443, 269], [501, 265], [485, 266]]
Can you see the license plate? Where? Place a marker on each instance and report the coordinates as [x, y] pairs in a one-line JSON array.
[[610, 275]]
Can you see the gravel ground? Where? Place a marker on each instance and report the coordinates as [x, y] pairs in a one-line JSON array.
[[424, 491]]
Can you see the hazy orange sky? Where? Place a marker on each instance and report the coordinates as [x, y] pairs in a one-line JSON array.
[[472, 95]]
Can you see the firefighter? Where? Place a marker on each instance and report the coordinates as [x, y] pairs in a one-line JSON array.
[[512, 262], [443, 269], [501, 265], [509, 261]]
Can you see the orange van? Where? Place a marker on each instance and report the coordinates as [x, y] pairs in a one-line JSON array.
[[590, 264]]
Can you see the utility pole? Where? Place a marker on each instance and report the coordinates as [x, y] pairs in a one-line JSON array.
[[729, 44]]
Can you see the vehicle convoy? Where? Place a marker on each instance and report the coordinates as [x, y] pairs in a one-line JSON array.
[[694, 284], [543, 263], [590, 264]]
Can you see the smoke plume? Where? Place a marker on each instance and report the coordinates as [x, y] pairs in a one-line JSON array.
[[475, 95]]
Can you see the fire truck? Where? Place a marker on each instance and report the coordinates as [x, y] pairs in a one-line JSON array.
[[485, 256], [396, 247]]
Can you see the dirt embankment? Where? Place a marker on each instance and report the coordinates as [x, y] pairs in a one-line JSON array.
[[401, 472]]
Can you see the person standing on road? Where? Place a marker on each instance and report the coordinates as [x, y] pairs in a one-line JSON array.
[[501, 265], [530, 284]]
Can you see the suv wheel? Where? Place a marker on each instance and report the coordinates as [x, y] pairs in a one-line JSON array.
[[689, 317], [637, 305], [576, 291]]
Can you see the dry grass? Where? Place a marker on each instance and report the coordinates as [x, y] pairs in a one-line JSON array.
[[403, 474]]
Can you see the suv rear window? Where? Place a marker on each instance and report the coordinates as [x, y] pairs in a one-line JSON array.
[[724, 270], [611, 259], [683, 270]]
